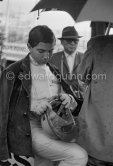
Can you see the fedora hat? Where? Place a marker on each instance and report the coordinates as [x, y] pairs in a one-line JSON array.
[[70, 33]]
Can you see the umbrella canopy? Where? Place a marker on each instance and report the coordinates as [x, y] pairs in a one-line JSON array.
[[69, 6], [97, 10], [81, 10]]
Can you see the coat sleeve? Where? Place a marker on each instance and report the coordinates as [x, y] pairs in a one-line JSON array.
[[5, 92], [84, 69]]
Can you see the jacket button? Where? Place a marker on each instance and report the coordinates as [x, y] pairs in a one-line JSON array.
[[25, 113], [27, 134]]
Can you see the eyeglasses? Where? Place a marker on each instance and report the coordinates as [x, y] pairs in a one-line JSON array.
[[71, 40]]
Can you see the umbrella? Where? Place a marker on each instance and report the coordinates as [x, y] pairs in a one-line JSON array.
[[69, 6], [81, 10], [97, 10]]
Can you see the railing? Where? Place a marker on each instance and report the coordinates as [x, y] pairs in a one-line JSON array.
[[14, 51]]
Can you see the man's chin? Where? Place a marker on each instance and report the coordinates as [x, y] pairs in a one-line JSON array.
[[43, 62]]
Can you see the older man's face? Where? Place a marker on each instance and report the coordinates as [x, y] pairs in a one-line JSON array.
[[70, 45]]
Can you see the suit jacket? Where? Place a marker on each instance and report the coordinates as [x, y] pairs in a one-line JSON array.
[[15, 89], [60, 61]]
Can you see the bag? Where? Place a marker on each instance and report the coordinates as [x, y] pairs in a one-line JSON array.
[[59, 122]]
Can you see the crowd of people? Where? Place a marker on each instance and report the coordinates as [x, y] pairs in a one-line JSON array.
[[28, 85]]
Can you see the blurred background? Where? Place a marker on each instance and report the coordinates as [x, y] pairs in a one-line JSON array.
[[16, 20]]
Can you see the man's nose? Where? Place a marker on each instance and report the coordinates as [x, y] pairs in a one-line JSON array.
[[46, 55]]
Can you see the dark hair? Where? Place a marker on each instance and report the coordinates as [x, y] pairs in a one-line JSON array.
[[40, 33]]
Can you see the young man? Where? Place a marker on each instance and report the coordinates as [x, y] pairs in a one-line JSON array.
[[25, 88], [68, 60]]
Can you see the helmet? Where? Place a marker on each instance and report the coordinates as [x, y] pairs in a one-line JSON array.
[[59, 122]]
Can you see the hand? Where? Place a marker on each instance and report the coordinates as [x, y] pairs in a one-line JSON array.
[[42, 107], [66, 99]]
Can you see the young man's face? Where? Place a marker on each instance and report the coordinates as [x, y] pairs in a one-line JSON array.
[[70, 45], [42, 52]]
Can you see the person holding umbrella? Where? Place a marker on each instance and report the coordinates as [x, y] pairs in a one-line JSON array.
[[96, 115]]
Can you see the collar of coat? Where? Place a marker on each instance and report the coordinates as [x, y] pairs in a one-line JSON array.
[[25, 73], [25, 67]]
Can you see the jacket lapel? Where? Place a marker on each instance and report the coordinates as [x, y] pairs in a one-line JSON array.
[[76, 61], [65, 62], [26, 74], [64, 85]]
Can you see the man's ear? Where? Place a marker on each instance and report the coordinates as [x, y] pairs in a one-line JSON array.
[[29, 46]]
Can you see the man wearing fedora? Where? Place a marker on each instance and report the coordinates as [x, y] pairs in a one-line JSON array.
[[68, 60]]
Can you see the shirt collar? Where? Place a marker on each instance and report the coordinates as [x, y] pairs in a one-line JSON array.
[[33, 62], [72, 55]]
